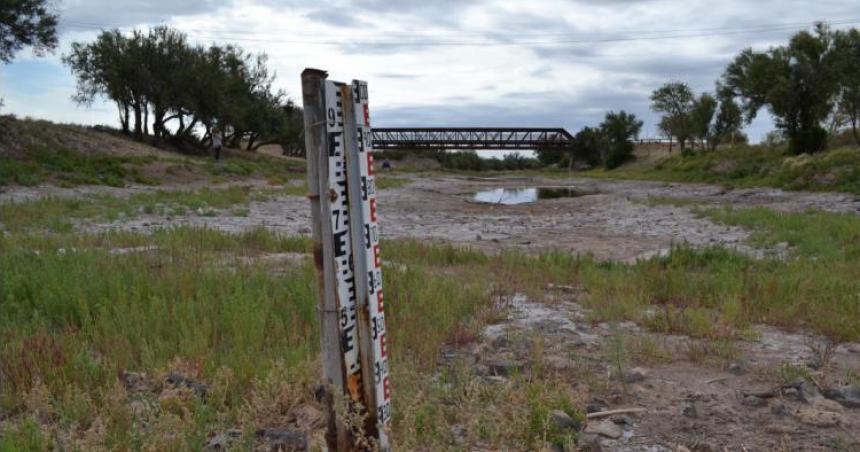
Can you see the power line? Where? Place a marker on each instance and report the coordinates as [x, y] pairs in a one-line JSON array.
[[658, 35]]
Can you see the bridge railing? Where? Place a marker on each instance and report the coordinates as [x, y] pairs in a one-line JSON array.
[[470, 138]]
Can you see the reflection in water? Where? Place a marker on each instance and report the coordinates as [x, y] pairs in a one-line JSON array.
[[510, 196]]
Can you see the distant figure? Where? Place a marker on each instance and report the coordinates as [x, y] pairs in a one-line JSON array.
[[386, 165], [216, 143]]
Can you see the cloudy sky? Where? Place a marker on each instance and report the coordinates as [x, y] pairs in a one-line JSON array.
[[451, 62]]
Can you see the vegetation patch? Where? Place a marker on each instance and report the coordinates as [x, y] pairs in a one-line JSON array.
[[754, 166]]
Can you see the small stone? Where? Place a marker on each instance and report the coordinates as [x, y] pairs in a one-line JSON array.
[[635, 375], [180, 381], [503, 367], [848, 396], [563, 421], [690, 410], [622, 419], [818, 418], [737, 368], [753, 401], [828, 405], [222, 441], [779, 409], [681, 448], [589, 442], [557, 363], [282, 440], [596, 406], [604, 428]]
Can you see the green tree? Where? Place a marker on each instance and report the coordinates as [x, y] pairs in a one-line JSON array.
[[26, 23], [795, 82], [676, 101], [586, 146], [700, 119], [846, 48], [618, 131], [729, 121]]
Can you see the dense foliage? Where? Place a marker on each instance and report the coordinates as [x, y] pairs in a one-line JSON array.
[[186, 92], [26, 23]]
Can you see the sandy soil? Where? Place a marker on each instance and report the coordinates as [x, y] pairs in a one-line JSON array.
[[614, 223]]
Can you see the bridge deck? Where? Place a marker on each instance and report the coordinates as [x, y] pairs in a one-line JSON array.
[[498, 138]]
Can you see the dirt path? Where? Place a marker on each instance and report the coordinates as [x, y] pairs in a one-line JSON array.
[[613, 223]]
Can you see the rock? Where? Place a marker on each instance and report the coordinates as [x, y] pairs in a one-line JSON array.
[[589, 442], [737, 368], [596, 406], [690, 410], [180, 381], [818, 418], [828, 405], [282, 440], [848, 396], [503, 367], [635, 375], [563, 421], [136, 381], [779, 409], [753, 401], [460, 433], [622, 419], [604, 428], [222, 441], [308, 417], [557, 363]]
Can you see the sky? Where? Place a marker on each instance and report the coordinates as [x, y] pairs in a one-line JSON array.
[[437, 63]]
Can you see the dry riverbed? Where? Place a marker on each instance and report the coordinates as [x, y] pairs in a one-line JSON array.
[[616, 221]]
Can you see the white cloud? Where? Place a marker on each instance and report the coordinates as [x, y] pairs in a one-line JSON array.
[[568, 83]]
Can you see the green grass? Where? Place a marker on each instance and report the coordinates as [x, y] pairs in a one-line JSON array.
[[74, 315], [57, 214], [69, 168], [751, 166]]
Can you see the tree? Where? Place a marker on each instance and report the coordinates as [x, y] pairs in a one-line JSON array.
[[26, 23], [586, 146], [700, 119], [727, 125], [618, 130], [795, 82], [185, 88], [846, 49], [675, 100]]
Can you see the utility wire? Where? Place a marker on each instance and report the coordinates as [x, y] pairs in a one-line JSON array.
[[667, 34]]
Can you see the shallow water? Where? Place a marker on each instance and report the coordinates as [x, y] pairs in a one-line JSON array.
[[511, 196]]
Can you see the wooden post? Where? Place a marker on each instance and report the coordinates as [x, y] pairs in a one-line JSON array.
[[316, 149], [346, 249]]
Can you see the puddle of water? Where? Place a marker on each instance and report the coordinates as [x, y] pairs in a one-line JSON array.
[[511, 196]]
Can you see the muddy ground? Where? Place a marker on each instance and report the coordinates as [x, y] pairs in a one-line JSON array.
[[690, 402]]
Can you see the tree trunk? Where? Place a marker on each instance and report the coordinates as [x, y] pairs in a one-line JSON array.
[[854, 130], [251, 141], [138, 122], [123, 116], [145, 118]]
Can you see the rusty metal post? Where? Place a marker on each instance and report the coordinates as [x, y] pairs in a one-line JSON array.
[[316, 145]]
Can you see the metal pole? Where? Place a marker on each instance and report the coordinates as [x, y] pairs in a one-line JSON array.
[[367, 261], [316, 145]]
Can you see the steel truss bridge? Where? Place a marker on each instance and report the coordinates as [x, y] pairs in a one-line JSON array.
[[484, 138]]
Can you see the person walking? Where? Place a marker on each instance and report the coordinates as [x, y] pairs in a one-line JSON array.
[[216, 143]]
